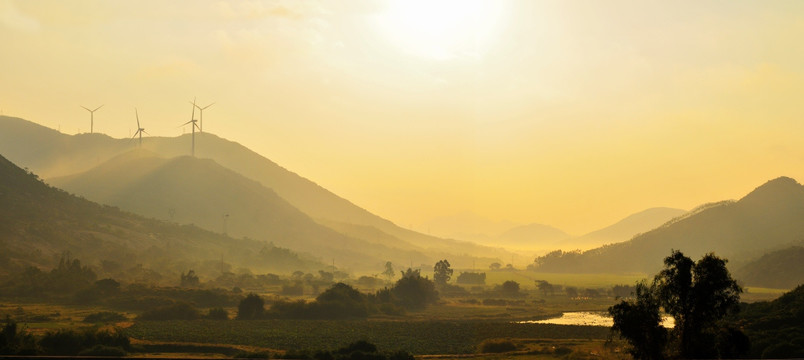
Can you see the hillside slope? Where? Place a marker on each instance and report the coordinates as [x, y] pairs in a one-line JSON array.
[[624, 229], [38, 223], [769, 218], [199, 191], [59, 155]]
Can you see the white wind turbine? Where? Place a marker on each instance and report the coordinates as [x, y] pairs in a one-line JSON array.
[[201, 116], [194, 125], [140, 129], [91, 117]]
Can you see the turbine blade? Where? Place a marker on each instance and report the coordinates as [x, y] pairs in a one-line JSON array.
[[204, 108], [145, 132], [138, 117], [96, 109], [135, 135], [85, 108], [185, 123]]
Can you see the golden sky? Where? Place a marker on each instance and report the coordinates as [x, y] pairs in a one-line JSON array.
[[568, 113]]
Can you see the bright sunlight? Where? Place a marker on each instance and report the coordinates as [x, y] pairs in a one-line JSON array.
[[441, 30]]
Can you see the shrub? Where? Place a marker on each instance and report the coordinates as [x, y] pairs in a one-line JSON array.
[[251, 307], [177, 311], [217, 314], [102, 350], [105, 317], [497, 346]]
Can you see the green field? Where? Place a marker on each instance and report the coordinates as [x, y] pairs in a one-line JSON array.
[[417, 337]]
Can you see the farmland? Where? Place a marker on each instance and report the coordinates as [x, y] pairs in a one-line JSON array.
[[418, 337]]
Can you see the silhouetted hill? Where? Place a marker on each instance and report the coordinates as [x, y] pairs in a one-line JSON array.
[[769, 218], [199, 191], [780, 269], [532, 236], [59, 154], [775, 328], [38, 223], [624, 229]]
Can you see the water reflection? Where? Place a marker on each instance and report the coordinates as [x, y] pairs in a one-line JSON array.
[[588, 318]]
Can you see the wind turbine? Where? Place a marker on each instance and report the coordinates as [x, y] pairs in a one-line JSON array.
[[92, 117], [201, 120], [140, 129], [194, 125]]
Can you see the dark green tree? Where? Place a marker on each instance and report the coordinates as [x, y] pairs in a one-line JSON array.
[[442, 273], [251, 307], [699, 296], [639, 322], [389, 270], [413, 291], [190, 279]]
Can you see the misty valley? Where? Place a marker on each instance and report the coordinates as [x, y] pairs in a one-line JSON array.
[[116, 248]]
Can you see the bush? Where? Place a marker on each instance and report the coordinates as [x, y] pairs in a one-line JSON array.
[[177, 311], [15, 341], [105, 317], [103, 350], [252, 355], [251, 307], [71, 342], [217, 314], [497, 346]]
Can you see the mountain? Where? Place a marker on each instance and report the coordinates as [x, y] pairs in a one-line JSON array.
[[57, 155], [770, 217], [532, 237], [780, 269], [39, 224], [775, 328], [199, 191], [624, 229]]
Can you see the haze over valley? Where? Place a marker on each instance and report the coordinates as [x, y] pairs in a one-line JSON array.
[[402, 179]]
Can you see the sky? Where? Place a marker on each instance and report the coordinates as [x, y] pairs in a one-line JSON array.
[[573, 114]]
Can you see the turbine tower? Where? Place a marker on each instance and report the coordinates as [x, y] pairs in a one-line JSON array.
[[201, 116], [194, 125], [91, 117], [140, 129]]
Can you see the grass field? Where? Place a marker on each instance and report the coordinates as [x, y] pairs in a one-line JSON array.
[[417, 337]]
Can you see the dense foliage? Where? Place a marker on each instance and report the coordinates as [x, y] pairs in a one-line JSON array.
[[776, 328], [699, 296]]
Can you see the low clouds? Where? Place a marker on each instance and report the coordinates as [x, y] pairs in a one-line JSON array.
[[12, 18]]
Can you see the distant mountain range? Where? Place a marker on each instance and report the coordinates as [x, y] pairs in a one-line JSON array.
[[40, 223], [199, 191], [58, 155], [769, 218]]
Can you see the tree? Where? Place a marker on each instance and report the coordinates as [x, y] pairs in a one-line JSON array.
[[698, 296], [545, 287], [640, 323], [251, 307], [414, 291], [190, 279], [389, 271], [510, 288], [495, 266], [442, 273]]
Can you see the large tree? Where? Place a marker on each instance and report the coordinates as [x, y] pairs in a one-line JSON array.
[[442, 273], [697, 295]]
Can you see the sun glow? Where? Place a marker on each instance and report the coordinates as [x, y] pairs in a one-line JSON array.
[[441, 29]]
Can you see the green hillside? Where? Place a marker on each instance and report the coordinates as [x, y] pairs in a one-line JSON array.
[[199, 191], [780, 269], [769, 218], [58, 155], [39, 224]]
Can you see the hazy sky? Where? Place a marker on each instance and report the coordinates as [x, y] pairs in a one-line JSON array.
[[568, 113]]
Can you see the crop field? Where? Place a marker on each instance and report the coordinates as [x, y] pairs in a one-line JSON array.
[[417, 337]]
